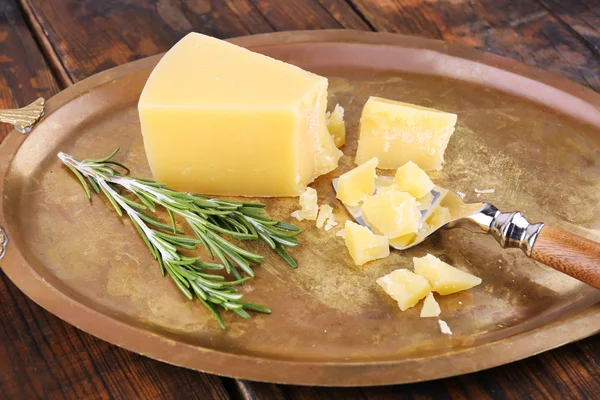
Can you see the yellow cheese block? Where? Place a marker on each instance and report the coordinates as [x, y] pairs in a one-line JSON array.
[[355, 185], [444, 278], [431, 308], [412, 179], [336, 126], [325, 213], [397, 132], [439, 217], [308, 205], [219, 119], [363, 245], [404, 286], [392, 213]]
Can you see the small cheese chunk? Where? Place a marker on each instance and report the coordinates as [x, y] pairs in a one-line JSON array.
[[444, 328], [439, 217], [308, 204], [444, 278], [412, 179], [392, 213], [430, 307], [336, 126], [403, 241], [325, 212], [404, 286], [220, 119], [355, 185], [331, 222], [364, 245], [406, 240], [398, 132]]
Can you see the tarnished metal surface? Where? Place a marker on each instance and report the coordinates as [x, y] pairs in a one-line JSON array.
[[331, 324], [24, 118]]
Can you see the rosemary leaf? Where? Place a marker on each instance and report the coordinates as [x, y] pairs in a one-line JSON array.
[[214, 312], [242, 313], [172, 218], [208, 265], [132, 203], [101, 160], [285, 255], [147, 202], [94, 185], [255, 307], [286, 226], [154, 222], [267, 239], [112, 200], [82, 181], [117, 164]]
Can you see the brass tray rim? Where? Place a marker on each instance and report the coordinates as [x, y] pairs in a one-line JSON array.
[[145, 342]]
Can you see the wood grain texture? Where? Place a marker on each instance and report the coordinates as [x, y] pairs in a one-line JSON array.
[[25, 75], [39, 352], [568, 253], [40, 355], [523, 30], [570, 372], [55, 64], [581, 17], [91, 36], [44, 357]]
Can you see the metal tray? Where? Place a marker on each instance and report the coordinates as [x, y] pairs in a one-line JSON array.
[[531, 136]]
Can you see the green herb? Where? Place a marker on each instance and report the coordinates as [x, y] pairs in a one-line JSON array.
[[208, 218]]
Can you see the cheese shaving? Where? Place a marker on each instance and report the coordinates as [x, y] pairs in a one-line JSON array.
[[444, 327]]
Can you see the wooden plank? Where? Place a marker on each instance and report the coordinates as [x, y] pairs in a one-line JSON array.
[[25, 75], [523, 30], [40, 355], [571, 371], [63, 78], [299, 15], [580, 16], [44, 357], [90, 36]]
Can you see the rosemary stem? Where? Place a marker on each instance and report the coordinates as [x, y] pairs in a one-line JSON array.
[[207, 217]]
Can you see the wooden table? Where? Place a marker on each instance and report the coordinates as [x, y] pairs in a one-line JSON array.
[[47, 45]]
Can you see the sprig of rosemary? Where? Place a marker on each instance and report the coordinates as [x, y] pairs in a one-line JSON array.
[[208, 218]]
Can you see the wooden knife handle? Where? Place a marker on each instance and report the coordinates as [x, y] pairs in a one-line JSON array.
[[568, 253]]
